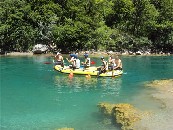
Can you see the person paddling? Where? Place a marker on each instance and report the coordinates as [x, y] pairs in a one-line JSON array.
[[58, 59], [87, 62], [72, 61], [111, 62], [118, 63], [75, 62], [104, 66]]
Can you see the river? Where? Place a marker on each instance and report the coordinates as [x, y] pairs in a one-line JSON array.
[[36, 97]]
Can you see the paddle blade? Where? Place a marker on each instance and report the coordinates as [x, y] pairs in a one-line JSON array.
[[70, 75], [47, 62], [92, 62]]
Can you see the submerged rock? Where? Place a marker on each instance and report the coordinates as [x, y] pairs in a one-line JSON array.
[[124, 114], [131, 118], [106, 108], [161, 83], [162, 119]]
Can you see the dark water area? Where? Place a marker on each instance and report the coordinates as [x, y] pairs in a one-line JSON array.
[[34, 96]]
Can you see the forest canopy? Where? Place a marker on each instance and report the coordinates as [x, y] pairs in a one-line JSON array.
[[115, 25]]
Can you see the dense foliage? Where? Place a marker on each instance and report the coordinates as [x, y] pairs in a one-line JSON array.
[[115, 25]]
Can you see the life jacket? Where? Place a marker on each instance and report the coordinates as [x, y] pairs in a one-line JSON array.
[[105, 65], [77, 63], [88, 62]]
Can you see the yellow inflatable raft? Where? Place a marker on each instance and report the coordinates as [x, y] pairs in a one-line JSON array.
[[89, 71]]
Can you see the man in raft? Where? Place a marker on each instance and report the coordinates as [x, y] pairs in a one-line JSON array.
[[87, 62], [118, 63], [58, 59]]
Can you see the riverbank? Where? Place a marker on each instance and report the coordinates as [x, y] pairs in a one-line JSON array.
[[130, 117], [19, 54], [162, 119], [81, 53], [25, 54]]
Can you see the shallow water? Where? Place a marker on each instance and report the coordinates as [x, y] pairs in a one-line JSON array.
[[34, 96]]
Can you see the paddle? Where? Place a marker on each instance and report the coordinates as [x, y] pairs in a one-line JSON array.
[[93, 62], [47, 63], [113, 73]]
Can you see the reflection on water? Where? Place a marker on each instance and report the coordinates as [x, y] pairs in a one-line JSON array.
[[109, 86], [82, 95]]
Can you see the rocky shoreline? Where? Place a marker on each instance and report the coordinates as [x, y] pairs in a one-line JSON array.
[[128, 117], [82, 52], [131, 118], [162, 119]]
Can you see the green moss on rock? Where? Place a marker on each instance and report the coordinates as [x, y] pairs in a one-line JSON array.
[[106, 108], [124, 114]]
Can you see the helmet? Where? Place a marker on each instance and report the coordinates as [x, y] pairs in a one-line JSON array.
[[73, 55], [86, 55], [102, 58]]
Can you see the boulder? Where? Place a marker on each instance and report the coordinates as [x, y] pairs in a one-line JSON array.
[[106, 108], [124, 114], [139, 53], [39, 49]]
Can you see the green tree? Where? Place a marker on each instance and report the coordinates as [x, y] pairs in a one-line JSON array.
[[161, 33], [44, 16], [144, 16], [80, 21], [120, 15], [15, 33], [87, 24]]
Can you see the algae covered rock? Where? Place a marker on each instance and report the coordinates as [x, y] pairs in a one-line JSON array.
[[106, 108], [160, 83], [124, 114]]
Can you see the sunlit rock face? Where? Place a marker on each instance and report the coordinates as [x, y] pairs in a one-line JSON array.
[[124, 114], [40, 48]]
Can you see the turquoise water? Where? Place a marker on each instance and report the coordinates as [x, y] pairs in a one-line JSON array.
[[36, 97]]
